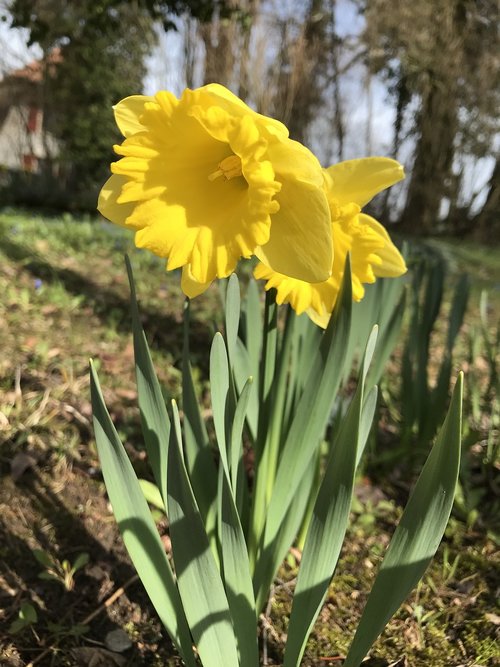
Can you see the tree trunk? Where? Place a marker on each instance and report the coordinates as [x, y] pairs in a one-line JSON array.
[[219, 37], [487, 221], [437, 125]]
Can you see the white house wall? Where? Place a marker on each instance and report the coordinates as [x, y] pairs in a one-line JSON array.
[[16, 141]]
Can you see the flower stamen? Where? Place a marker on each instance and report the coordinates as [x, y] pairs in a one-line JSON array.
[[229, 168]]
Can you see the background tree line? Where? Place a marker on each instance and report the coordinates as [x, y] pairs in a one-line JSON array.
[[433, 64]]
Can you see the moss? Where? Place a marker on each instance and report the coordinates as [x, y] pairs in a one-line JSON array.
[[442, 623]]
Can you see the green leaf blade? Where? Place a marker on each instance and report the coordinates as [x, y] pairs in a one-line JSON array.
[[200, 585], [232, 313], [237, 578], [199, 457], [236, 446], [306, 431], [418, 534], [154, 416], [242, 371], [328, 522], [137, 527], [219, 385]]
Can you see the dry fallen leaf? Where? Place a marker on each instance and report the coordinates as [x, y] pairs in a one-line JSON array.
[[128, 394], [493, 618], [4, 422]]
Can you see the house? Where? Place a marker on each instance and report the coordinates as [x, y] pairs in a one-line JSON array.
[[25, 142]]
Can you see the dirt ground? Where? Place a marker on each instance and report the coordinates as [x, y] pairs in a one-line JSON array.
[[61, 507], [65, 513]]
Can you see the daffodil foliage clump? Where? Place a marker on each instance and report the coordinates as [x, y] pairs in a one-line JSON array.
[[204, 180]]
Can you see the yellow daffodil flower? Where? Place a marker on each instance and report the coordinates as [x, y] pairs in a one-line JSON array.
[[204, 180], [349, 186]]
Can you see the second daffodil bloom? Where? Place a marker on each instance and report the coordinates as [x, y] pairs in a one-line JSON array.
[[349, 186], [204, 180]]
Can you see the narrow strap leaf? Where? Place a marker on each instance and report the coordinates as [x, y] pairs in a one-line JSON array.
[[270, 437], [390, 322], [252, 311], [242, 371], [237, 579], [219, 385], [306, 430], [200, 585], [236, 447], [198, 451], [418, 534], [306, 340], [366, 420], [328, 523], [152, 494], [268, 364], [154, 416], [232, 313], [287, 532], [137, 526]]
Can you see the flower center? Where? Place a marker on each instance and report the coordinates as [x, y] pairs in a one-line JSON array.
[[342, 213], [230, 167]]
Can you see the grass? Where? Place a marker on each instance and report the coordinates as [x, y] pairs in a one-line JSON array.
[[65, 298], [483, 262]]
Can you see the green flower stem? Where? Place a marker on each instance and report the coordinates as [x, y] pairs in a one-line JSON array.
[[267, 371], [273, 443], [269, 356], [265, 474], [301, 538]]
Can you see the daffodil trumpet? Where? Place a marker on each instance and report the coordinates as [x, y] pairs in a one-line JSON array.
[[204, 180]]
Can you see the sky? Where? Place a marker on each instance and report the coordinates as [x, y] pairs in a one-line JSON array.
[[13, 50]]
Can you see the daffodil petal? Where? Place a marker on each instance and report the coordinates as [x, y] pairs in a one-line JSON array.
[[319, 320], [300, 244], [360, 180], [393, 264], [301, 295], [160, 227], [189, 285], [288, 290], [293, 160], [107, 203], [128, 112], [223, 95]]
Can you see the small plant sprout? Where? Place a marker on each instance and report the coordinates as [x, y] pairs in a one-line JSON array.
[[26, 618], [61, 571]]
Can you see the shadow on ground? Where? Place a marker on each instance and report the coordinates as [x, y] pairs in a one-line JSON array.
[[111, 307], [34, 516]]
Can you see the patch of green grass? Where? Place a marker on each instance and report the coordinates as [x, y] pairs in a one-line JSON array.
[[480, 262], [66, 299], [444, 622]]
